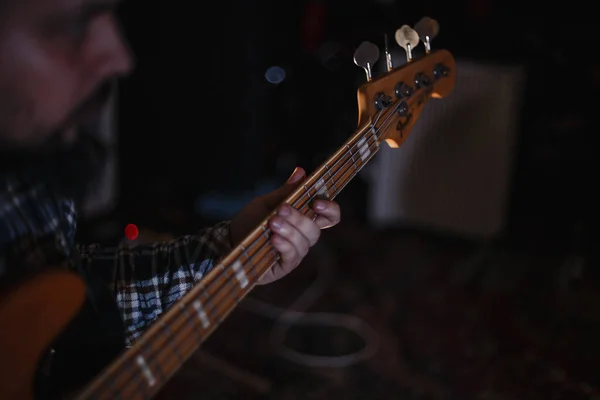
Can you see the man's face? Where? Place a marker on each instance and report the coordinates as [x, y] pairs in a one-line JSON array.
[[57, 61]]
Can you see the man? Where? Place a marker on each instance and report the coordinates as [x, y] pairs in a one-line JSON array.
[[58, 59]]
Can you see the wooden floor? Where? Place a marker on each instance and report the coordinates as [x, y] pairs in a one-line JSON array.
[[453, 320]]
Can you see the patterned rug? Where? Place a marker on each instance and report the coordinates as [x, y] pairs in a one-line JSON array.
[[454, 321]]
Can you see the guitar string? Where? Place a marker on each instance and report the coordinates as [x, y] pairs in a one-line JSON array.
[[209, 307], [216, 305]]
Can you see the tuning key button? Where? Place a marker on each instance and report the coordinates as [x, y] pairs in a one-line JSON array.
[[408, 39], [402, 90], [382, 101], [422, 80], [365, 56], [440, 71], [427, 29], [403, 109], [405, 117]]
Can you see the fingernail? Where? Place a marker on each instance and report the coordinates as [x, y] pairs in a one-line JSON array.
[[276, 224], [296, 176], [319, 205], [284, 210]]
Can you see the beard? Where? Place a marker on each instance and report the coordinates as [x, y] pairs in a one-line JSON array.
[[70, 171], [69, 167]]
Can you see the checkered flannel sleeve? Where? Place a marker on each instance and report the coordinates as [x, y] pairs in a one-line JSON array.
[[148, 279]]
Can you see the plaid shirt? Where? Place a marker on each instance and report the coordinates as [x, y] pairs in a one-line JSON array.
[[38, 226]]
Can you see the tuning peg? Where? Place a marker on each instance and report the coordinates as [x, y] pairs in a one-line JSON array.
[[365, 56], [388, 56], [427, 29], [408, 39]]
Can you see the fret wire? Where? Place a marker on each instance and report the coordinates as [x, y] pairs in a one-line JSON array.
[[178, 355], [160, 372], [349, 152], [211, 305], [339, 161], [254, 242], [252, 266], [330, 177], [207, 301], [265, 232], [352, 156], [353, 174], [185, 312], [233, 281], [306, 190], [345, 170], [112, 388]]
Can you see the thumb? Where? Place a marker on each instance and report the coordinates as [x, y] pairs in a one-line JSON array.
[[277, 196], [295, 178]]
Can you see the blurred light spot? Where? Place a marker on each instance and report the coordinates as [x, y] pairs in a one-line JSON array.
[[131, 231], [275, 75]]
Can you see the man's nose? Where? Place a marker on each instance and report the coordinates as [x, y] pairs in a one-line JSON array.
[[110, 53]]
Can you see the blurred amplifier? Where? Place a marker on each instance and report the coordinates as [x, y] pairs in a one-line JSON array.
[[453, 174]]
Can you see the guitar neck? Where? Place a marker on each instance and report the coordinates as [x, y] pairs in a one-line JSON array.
[[142, 370]]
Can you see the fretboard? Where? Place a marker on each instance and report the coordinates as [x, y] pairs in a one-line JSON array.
[[142, 370]]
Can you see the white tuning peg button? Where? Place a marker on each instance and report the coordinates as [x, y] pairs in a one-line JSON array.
[[408, 39], [427, 29], [365, 56]]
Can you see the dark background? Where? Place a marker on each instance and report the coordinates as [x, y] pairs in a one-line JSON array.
[[216, 123]]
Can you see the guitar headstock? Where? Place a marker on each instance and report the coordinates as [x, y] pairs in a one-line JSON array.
[[392, 103]]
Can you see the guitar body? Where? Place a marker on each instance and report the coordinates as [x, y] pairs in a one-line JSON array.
[[33, 313]]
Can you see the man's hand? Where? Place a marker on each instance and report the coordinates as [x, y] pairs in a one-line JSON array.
[[293, 232]]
